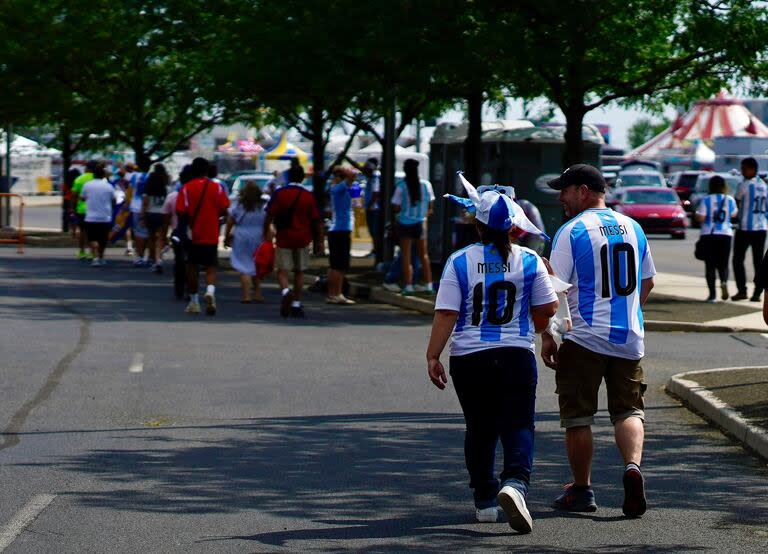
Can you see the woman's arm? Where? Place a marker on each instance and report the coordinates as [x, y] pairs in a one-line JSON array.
[[442, 327], [228, 231]]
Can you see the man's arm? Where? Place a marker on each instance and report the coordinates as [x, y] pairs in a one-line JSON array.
[[268, 234], [645, 289], [542, 313]]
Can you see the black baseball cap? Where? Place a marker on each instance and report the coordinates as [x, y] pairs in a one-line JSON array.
[[580, 174]]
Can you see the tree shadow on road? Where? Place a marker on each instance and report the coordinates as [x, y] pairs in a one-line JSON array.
[[396, 479]]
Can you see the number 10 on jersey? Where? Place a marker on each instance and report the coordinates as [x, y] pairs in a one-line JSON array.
[[611, 273]]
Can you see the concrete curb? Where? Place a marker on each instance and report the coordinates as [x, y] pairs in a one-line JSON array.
[[684, 387], [690, 327]]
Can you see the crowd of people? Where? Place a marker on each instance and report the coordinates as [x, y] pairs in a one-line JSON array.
[[157, 215]]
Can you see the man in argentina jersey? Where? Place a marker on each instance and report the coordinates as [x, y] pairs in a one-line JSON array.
[[752, 199], [605, 256]]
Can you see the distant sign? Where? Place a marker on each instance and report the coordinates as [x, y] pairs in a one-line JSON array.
[[32, 174]]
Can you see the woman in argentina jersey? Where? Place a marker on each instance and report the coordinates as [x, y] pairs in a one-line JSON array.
[[715, 213], [493, 297]]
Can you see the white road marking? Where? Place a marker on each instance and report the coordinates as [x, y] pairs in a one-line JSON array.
[[137, 365], [23, 518]]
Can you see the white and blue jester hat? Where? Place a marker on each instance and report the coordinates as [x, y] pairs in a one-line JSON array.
[[495, 208]]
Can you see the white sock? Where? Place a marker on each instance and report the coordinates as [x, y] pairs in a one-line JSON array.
[[295, 304], [428, 284], [210, 289], [194, 298], [129, 245], [286, 290]]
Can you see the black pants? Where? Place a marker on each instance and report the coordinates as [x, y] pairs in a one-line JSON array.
[[742, 241], [497, 393], [179, 270], [718, 248]]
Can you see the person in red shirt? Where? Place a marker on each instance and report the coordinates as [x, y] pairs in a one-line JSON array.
[[202, 202], [293, 211]]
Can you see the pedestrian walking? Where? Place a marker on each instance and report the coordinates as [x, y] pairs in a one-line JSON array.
[[716, 213], [100, 197], [153, 200], [752, 201], [201, 202], [413, 201], [171, 221], [493, 297], [137, 181], [605, 256], [372, 195], [296, 219], [79, 207], [340, 235], [244, 233]]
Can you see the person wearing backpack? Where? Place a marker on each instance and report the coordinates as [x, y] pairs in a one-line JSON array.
[[201, 202], [293, 212]]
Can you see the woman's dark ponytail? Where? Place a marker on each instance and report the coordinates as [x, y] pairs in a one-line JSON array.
[[499, 239]]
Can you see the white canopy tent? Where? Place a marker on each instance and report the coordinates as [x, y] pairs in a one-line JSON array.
[[30, 164], [374, 150]]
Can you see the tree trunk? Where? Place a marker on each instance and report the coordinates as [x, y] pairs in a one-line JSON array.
[[473, 144], [66, 163], [143, 160], [317, 123], [574, 142]]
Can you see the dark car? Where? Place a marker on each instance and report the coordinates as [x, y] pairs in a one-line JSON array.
[[657, 210], [684, 183]]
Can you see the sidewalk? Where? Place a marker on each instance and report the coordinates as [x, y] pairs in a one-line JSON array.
[[733, 399]]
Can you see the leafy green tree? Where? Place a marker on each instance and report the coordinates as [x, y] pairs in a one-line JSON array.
[[644, 129], [583, 55]]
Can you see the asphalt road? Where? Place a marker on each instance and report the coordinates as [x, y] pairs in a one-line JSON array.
[[132, 427]]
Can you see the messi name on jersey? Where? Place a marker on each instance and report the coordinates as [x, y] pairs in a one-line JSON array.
[[613, 230], [493, 267]]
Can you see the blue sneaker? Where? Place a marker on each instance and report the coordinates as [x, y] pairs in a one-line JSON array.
[[576, 500]]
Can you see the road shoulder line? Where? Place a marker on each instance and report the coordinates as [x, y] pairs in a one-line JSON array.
[[24, 518]]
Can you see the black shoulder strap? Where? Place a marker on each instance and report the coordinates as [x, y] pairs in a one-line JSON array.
[[199, 203]]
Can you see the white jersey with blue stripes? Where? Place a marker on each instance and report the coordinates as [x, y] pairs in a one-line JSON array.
[[718, 210], [412, 213], [753, 205], [493, 297], [605, 256]]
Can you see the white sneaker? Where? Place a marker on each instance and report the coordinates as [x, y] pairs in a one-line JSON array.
[[210, 304], [193, 307], [421, 288], [95, 262], [513, 503], [487, 515], [391, 287], [340, 299], [102, 262]]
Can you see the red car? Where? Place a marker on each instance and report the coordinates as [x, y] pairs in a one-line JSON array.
[[657, 210]]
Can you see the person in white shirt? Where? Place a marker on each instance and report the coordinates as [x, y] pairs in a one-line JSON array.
[[752, 200], [716, 213], [100, 198], [493, 296], [605, 257]]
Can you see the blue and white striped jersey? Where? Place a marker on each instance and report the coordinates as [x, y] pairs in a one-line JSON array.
[[753, 205], [718, 209], [411, 214], [341, 208], [493, 297], [605, 256]]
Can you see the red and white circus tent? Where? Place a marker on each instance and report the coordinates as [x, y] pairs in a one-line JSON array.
[[718, 117]]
